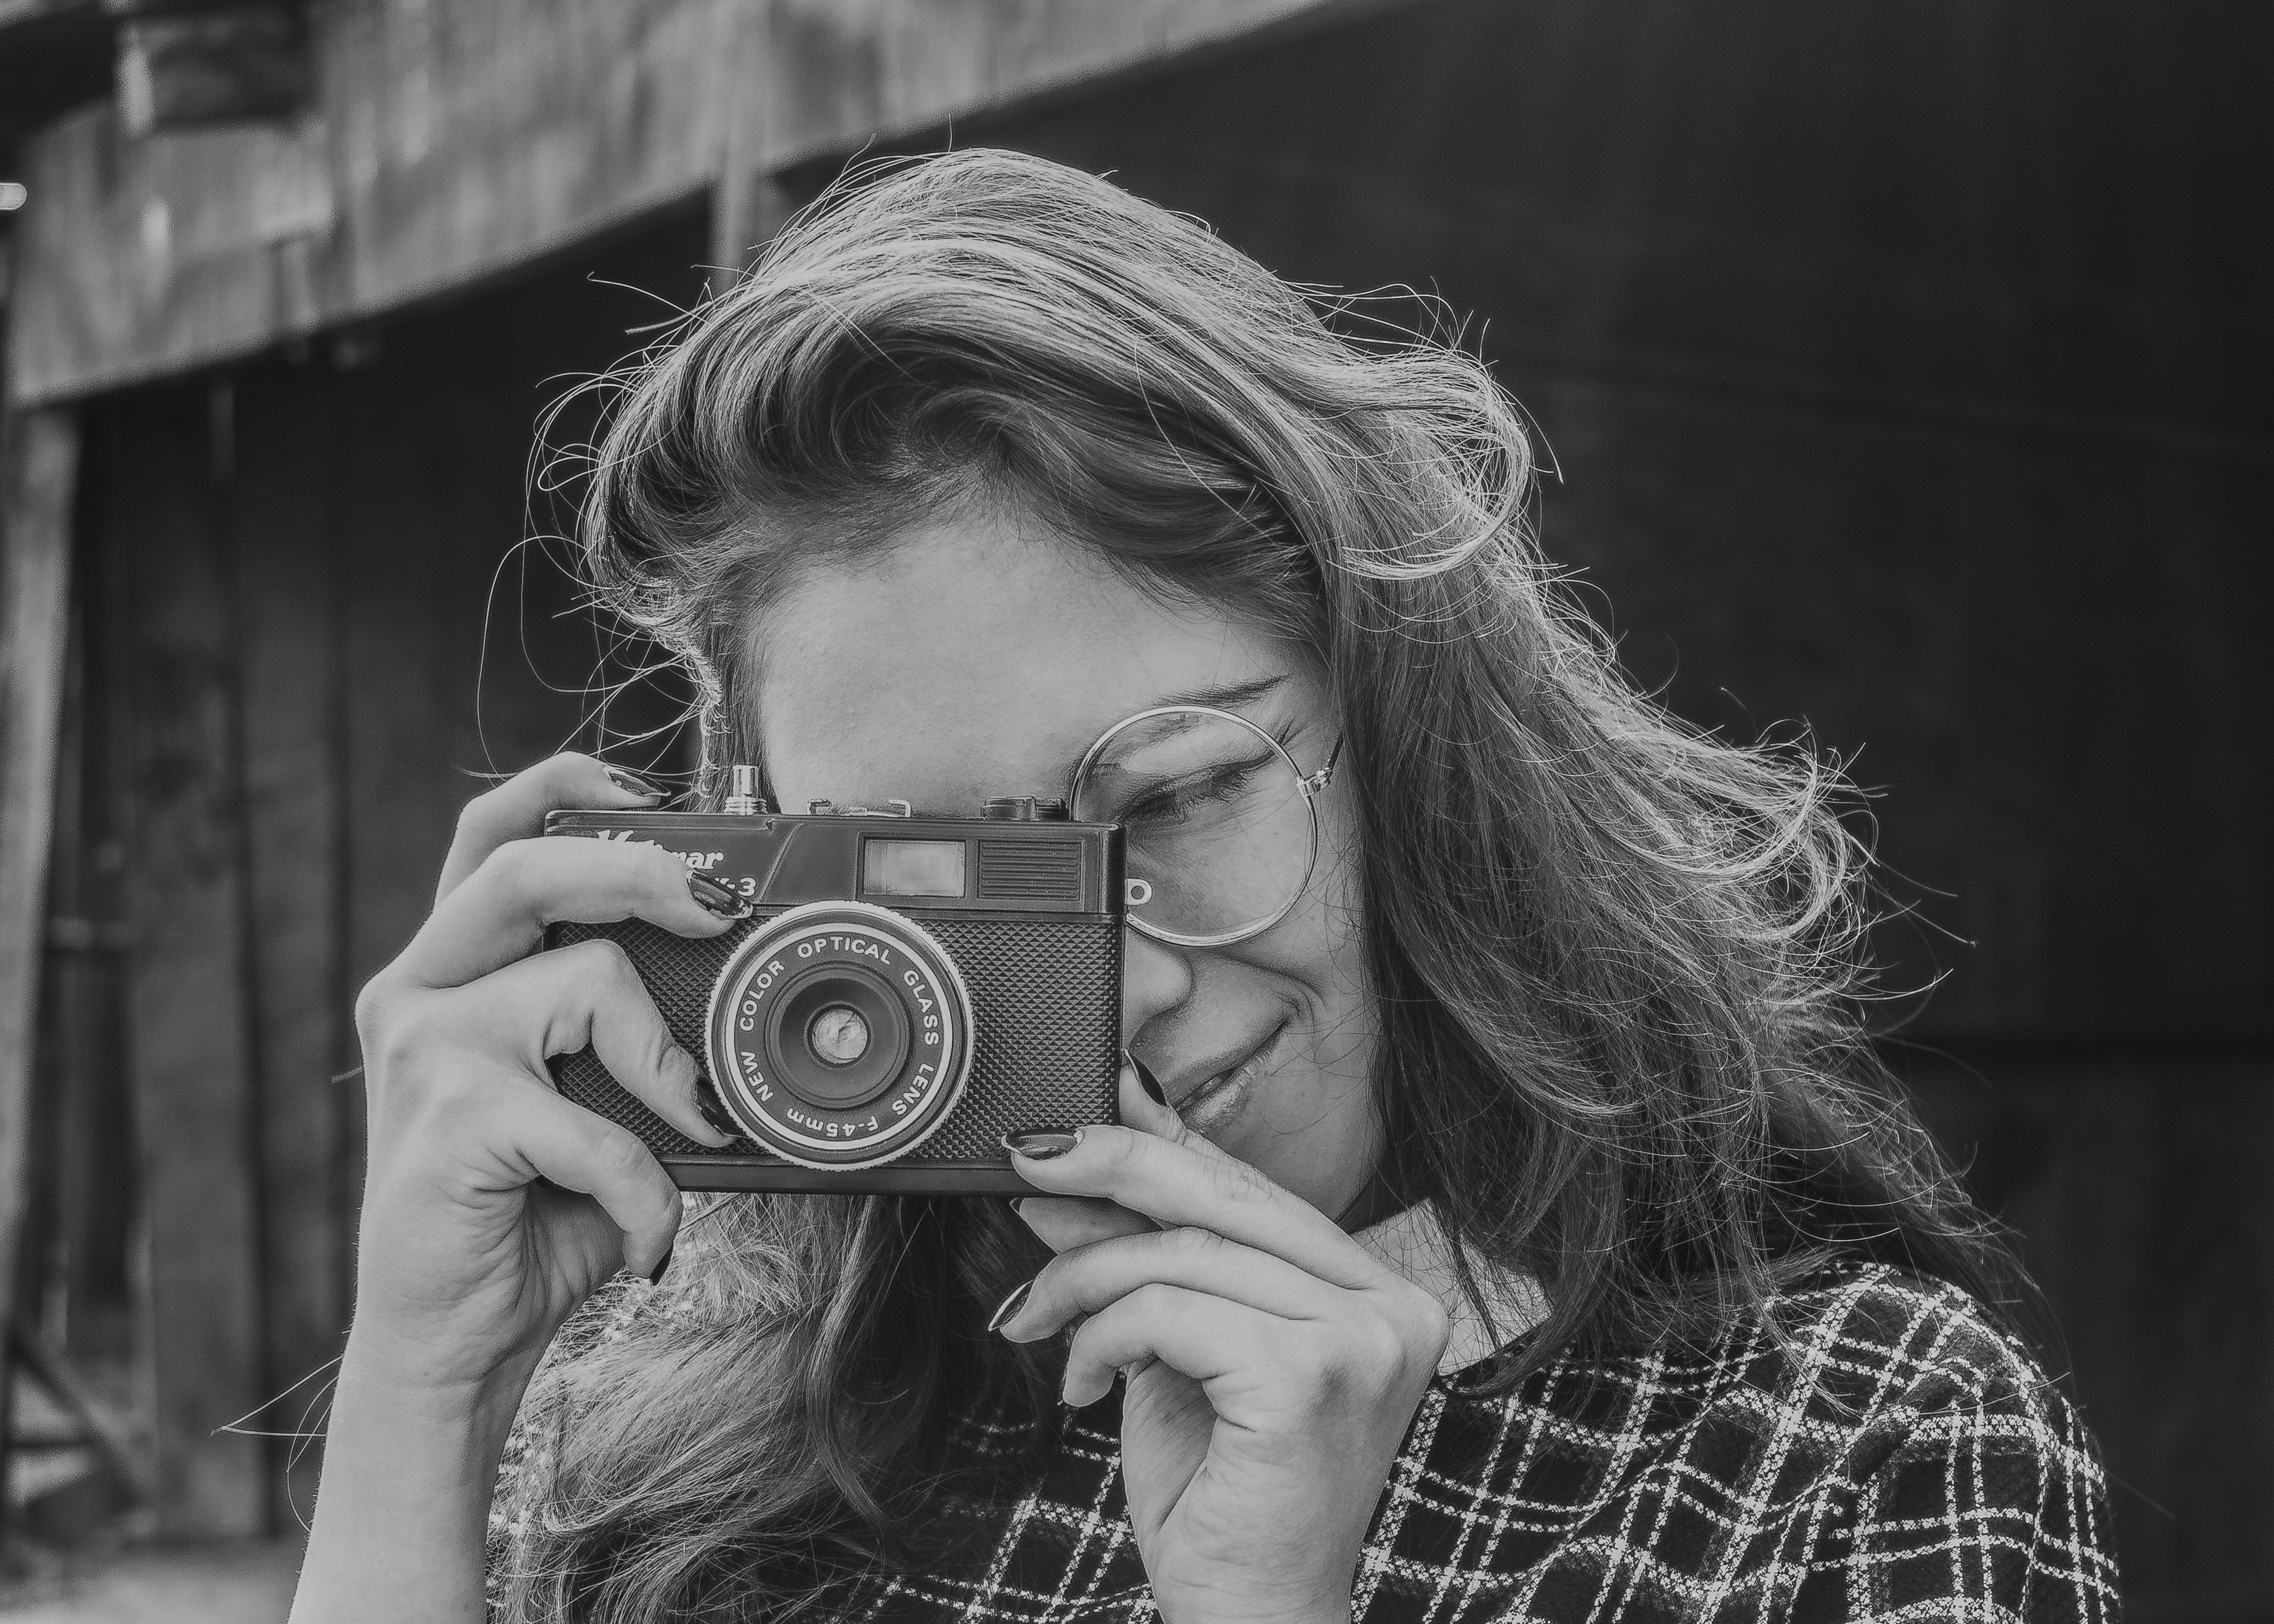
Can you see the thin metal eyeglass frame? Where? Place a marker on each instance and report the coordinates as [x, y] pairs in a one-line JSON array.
[[1312, 784]]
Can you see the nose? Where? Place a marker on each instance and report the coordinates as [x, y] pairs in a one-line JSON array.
[[1155, 979]]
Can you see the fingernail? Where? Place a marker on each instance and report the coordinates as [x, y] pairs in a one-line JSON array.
[[632, 785], [1041, 1144], [1011, 1306], [1146, 1080], [661, 1264], [714, 1113], [723, 900]]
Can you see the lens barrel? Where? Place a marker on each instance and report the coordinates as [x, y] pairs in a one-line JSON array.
[[839, 1035]]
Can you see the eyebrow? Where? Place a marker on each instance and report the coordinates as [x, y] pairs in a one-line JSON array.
[[1230, 697]]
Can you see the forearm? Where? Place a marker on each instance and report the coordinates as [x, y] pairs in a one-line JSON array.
[[404, 1504]]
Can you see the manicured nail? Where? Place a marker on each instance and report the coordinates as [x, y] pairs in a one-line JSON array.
[[1041, 1144], [632, 785], [723, 900], [1146, 1080], [1011, 1306], [661, 1264], [714, 1113]]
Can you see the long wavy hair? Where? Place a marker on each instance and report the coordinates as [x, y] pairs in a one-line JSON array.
[[1619, 963]]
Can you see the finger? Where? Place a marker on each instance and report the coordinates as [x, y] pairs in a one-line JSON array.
[[587, 996], [544, 1136], [1062, 1223], [1141, 1109], [1176, 1185], [1201, 1337], [1088, 1280], [515, 809], [500, 912]]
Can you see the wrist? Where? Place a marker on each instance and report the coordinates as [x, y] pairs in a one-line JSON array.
[[410, 1464], [398, 1379]]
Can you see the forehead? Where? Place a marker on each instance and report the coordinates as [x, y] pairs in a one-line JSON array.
[[979, 658]]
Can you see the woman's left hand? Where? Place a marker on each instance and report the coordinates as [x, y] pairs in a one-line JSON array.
[[1273, 1364]]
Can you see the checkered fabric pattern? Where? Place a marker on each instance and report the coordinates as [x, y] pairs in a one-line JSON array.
[[1895, 1458]]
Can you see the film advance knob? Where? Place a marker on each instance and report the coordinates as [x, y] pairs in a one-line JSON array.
[[742, 797]]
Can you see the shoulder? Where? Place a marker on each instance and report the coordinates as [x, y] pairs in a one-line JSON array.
[[1861, 1366], [1874, 1445], [1902, 1347], [1852, 1349]]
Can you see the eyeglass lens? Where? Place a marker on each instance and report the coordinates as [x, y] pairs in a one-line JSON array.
[[1218, 836]]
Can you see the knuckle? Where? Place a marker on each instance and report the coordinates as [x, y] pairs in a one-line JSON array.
[[1061, 1274], [480, 812], [507, 866], [602, 962], [1150, 1303], [1236, 1182], [394, 1033], [1191, 1244], [372, 1007], [1432, 1327], [1377, 1351], [621, 1156], [1125, 1148]]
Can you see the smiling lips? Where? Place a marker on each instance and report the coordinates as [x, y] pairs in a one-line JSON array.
[[1221, 1095]]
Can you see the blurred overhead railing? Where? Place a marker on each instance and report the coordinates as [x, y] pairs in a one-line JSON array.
[[446, 143]]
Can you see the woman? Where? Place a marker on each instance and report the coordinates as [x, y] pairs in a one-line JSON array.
[[1505, 1217]]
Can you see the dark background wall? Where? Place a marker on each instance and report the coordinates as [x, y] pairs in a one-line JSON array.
[[317, 613], [1907, 370], [1905, 367]]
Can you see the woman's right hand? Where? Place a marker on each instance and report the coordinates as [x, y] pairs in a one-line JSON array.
[[492, 1206]]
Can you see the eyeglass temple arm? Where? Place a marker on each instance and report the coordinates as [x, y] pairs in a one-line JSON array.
[[1324, 776]]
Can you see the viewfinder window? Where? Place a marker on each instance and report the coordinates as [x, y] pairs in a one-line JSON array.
[[912, 868]]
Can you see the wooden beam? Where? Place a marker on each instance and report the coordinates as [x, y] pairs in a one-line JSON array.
[[452, 143], [193, 1057], [39, 456], [21, 13], [179, 68]]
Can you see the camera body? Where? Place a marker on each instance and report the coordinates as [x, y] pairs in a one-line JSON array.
[[907, 989]]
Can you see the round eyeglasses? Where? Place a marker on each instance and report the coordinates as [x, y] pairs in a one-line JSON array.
[[1220, 828]]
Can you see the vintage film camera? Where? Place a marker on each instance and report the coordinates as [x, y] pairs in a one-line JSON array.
[[908, 989]]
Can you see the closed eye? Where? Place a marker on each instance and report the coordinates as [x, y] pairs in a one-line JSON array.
[[1181, 799]]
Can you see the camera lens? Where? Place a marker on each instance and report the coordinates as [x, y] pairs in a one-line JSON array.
[[839, 1034]]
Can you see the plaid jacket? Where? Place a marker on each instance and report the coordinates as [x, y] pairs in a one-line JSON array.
[[1898, 1459]]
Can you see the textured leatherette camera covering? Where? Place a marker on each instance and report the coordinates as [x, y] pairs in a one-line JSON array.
[[1045, 997]]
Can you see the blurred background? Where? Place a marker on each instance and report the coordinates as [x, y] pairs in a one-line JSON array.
[[1904, 367]]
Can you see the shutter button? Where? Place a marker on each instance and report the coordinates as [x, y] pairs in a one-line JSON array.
[[1026, 810]]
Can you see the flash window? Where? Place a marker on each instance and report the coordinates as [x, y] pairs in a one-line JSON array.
[[912, 868]]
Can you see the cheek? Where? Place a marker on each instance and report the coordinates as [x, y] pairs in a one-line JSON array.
[[1338, 885]]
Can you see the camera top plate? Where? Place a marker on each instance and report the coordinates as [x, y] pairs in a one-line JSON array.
[[912, 864]]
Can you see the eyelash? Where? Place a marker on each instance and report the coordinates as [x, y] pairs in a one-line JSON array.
[[1220, 789]]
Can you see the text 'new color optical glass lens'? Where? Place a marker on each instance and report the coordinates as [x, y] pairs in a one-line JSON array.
[[1218, 830]]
